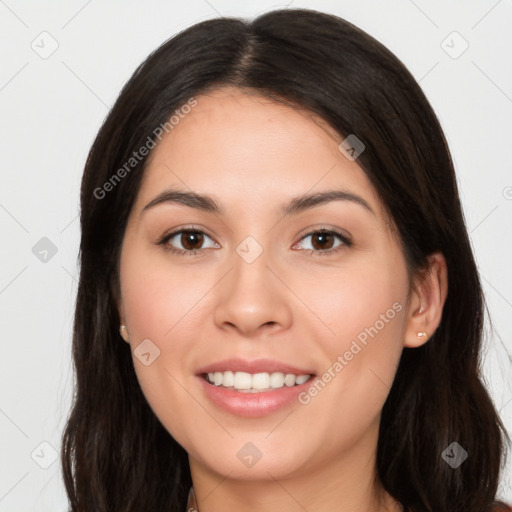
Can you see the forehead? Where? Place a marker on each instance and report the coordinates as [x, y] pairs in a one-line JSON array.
[[248, 124], [234, 142]]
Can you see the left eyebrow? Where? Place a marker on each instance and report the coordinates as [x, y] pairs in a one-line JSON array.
[[296, 205], [305, 202]]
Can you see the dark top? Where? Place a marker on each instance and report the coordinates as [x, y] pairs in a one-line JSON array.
[[192, 504]]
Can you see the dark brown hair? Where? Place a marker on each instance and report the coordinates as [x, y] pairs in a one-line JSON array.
[[116, 455]]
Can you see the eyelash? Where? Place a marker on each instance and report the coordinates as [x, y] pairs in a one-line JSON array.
[[184, 252]]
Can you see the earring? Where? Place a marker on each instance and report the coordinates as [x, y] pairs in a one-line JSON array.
[[422, 335], [123, 332]]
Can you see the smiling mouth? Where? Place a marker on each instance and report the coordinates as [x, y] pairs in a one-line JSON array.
[[255, 382]]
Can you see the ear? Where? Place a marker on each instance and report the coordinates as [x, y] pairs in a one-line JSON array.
[[426, 302]]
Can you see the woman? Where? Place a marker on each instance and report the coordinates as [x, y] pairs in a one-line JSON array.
[[271, 222]]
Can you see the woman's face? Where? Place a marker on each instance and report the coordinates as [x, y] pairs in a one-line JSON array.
[[264, 293]]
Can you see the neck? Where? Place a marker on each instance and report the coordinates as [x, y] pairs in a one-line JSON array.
[[346, 482]]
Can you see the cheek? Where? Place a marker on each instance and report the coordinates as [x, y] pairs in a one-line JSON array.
[[155, 296], [363, 319], [165, 303], [359, 303]]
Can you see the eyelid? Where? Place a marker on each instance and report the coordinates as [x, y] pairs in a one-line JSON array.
[[175, 231], [327, 229]]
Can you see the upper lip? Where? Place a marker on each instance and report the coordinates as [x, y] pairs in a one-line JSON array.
[[252, 366]]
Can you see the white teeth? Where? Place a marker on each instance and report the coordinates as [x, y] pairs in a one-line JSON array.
[[228, 379], [301, 379], [277, 380], [243, 380], [253, 383], [261, 381], [289, 380]]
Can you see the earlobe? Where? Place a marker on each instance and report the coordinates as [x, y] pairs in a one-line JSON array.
[[123, 331], [427, 301]]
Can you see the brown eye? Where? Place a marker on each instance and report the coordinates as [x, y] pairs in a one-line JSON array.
[[191, 240], [325, 242], [187, 241], [322, 241]]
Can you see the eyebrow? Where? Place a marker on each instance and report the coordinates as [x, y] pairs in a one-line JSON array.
[[294, 206]]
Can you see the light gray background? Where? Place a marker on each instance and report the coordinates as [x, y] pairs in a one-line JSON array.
[[52, 106]]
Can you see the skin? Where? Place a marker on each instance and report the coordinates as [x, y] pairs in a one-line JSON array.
[[253, 155]]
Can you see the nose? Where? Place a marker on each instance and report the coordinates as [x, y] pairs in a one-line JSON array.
[[252, 299]]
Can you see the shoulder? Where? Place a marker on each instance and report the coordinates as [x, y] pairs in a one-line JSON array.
[[499, 506]]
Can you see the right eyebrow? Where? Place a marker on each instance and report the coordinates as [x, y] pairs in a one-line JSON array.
[[191, 199]]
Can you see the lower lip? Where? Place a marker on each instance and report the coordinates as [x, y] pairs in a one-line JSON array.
[[252, 405]]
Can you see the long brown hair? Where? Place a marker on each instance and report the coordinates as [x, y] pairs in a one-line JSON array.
[[116, 455]]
